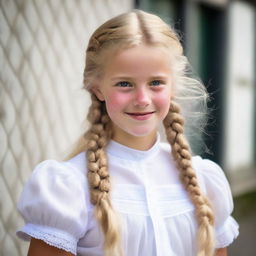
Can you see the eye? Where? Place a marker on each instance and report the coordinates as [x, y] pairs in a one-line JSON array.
[[156, 82], [124, 84]]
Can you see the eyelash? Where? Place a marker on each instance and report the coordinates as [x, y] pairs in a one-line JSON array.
[[128, 84], [160, 82], [121, 84]]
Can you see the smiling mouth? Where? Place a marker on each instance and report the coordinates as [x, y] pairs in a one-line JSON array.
[[140, 114]]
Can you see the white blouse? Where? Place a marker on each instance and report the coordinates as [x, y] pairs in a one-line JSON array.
[[157, 217]]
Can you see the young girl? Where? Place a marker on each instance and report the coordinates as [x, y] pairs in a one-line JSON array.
[[122, 192]]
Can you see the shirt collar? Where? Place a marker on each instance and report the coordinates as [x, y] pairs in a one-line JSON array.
[[118, 150]]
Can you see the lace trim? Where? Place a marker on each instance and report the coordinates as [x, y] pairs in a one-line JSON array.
[[49, 235], [227, 234]]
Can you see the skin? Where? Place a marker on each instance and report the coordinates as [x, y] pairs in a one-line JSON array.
[[136, 81], [136, 86], [222, 252], [40, 248]]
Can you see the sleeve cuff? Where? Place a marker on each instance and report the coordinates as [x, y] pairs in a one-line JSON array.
[[52, 236], [227, 233]]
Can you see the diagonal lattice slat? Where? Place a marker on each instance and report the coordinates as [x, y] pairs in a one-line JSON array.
[[42, 45]]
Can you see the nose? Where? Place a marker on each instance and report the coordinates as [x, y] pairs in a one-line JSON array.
[[142, 97]]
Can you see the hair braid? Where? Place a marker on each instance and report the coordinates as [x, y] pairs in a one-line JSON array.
[[97, 138], [122, 32], [181, 152]]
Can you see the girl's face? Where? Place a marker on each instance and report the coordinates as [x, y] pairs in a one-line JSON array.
[[137, 87]]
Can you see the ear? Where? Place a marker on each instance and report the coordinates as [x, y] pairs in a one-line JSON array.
[[95, 90]]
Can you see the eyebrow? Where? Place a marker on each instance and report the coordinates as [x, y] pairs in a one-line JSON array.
[[121, 78], [158, 76]]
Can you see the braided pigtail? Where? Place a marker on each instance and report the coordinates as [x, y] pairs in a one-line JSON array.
[[181, 152], [97, 138]]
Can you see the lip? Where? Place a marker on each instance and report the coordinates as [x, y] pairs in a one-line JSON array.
[[141, 116]]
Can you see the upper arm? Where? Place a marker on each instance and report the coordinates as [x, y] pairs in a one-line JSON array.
[[53, 205], [216, 187], [222, 252], [40, 248]]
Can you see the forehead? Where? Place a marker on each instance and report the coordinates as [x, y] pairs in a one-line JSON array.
[[138, 60]]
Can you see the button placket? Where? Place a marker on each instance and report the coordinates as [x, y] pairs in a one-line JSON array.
[[152, 207]]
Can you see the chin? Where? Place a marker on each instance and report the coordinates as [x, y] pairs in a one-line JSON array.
[[141, 133]]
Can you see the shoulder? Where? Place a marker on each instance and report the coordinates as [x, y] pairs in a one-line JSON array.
[[213, 181], [165, 154], [209, 173], [215, 185], [165, 148], [55, 182], [55, 204], [78, 162], [211, 176], [52, 178], [70, 174], [74, 168]]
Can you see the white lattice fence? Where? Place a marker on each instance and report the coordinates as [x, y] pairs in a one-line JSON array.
[[42, 45]]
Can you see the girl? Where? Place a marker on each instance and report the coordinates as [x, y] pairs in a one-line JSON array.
[[122, 192]]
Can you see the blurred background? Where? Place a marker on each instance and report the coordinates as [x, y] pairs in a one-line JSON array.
[[42, 106]]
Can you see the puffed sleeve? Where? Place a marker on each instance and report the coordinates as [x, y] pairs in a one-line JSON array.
[[214, 183], [53, 205]]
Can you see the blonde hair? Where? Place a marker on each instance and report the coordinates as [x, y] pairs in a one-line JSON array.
[[124, 31]]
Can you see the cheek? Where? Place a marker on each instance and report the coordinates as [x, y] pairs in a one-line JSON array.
[[116, 101], [162, 102]]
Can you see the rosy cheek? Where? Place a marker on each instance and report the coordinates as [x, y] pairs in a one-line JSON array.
[[162, 104], [116, 101], [162, 99]]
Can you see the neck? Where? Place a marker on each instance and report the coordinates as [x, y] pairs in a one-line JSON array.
[[136, 142]]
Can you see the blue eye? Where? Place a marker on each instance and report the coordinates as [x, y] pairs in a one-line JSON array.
[[123, 84], [156, 82]]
